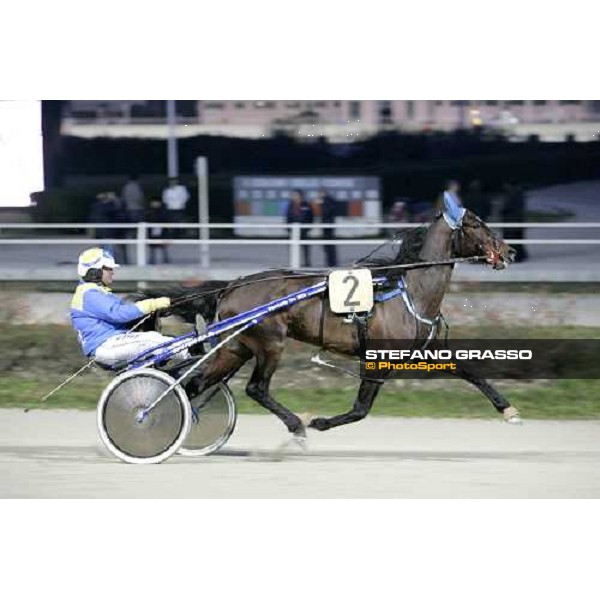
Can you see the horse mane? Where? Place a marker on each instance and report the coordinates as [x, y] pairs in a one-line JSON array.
[[404, 247]]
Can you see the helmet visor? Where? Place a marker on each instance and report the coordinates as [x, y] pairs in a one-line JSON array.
[[108, 261]]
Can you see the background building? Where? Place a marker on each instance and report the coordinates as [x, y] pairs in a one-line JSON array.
[[338, 120]]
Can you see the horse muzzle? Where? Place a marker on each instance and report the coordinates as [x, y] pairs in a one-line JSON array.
[[496, 259], [500, 256]]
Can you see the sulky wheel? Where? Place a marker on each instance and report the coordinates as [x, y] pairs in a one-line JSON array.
[[136, 436], [213, 421]]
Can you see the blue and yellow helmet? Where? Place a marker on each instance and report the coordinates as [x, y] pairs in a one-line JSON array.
[[95, 258]]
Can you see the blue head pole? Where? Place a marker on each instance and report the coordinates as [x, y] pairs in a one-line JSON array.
[[453, 211]]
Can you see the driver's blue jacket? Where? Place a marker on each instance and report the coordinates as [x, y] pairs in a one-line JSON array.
[[97, 314]]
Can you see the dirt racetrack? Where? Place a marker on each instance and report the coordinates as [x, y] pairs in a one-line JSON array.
[[58, 454]]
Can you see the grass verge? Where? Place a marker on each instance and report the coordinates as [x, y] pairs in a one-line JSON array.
[[36, 359], [564, 399]]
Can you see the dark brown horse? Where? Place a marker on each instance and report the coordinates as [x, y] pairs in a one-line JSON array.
[[311, 320]]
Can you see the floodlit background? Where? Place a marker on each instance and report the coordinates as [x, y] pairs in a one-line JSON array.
[[21, 158]]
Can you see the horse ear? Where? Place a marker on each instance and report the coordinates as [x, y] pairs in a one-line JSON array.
[[453, 211]]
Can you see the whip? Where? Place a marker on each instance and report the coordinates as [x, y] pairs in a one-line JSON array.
[[87, 366]]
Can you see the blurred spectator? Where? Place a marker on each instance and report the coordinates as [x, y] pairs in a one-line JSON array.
[[399, 212], [513, 211], [132, 195], [104, 210], [410, 210], [156, 213], [120, 216], [477, 200], [329, 211], [300, 211], [175, 198], [452, 187], [420, 212]]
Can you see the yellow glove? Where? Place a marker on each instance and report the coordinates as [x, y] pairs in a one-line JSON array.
[[152, 304], [163, 302]]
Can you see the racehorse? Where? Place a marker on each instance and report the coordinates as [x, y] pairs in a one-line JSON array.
[[455, 233]]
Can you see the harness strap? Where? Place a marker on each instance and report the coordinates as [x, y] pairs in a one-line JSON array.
[[395, 292], [411, 309], [401, 290], [322, 321], [432, 323], [361, 328]]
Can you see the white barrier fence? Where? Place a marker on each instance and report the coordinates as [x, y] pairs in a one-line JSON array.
[[141, 239]]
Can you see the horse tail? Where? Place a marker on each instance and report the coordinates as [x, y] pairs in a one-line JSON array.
[[187, 302]]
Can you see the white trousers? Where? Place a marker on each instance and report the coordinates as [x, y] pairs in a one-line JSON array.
[[125, 346]]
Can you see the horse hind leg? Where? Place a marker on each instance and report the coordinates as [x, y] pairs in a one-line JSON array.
[[226, 363], [258, 389]]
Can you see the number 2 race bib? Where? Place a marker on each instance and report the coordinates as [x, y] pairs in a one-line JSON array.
[[351, 291]]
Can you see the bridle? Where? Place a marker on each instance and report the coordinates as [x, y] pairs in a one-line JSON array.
[[493, 256]]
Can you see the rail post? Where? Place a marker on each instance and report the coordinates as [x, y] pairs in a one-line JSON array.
[[141, 244], [203, 216], [295, 245]]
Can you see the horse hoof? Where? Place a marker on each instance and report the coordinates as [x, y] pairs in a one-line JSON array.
[[299, 431], [319, 424], [297, 440], [512, 416], [301, 442]]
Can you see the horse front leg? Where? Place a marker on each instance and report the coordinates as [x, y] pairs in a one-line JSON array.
[[367, 392], [500, 403]]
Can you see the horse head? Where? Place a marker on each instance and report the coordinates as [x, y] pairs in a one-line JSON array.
[[473, 237]]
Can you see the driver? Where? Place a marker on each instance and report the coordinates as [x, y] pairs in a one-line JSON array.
[[102, 320]]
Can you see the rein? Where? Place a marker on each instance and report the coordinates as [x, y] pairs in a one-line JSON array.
[[405, 266]]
